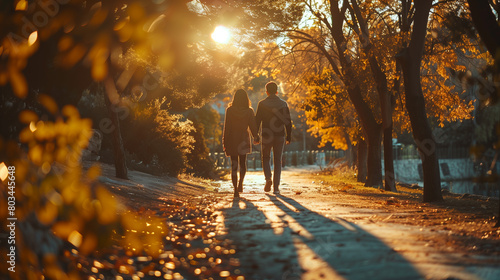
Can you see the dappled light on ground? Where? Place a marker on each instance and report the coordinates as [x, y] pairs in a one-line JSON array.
[[190, 249], [320, 229]]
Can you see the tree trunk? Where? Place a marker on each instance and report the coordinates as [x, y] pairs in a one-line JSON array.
[[386, 111], [361, 161], [118, 150], [498, 217], [370, 126], [411, 59], [349, 153], [374, 157], [384, 98], [389, 175], [486, 25], [354, 156]]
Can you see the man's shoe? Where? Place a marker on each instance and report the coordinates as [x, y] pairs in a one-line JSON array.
[[276, 192], [268, 185]]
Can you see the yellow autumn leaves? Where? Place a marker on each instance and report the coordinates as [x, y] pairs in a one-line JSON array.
[[95, 39], [53, 186]]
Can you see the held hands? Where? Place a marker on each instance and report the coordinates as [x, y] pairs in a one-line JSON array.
[[256, 140]]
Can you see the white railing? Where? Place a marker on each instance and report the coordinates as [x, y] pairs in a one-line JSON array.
[[290, 158]]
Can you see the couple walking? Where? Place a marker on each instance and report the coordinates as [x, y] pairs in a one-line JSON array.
[[274, 116]]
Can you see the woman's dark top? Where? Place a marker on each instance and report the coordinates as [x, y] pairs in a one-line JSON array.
[[236, 139]]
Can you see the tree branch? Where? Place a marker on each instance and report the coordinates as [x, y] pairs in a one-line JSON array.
[[486, 24]]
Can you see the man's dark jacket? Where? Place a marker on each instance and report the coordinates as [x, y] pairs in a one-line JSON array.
[[274, 115]]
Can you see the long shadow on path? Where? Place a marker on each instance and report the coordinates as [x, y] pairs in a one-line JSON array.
[[262, 246], [278, 238]]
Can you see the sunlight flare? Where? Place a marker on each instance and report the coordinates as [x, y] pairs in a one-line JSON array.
[[221, 35], [32, 38], [4, 172], [32, 126], [75, 238]]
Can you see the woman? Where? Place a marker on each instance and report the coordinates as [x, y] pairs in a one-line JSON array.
[[239, 118]]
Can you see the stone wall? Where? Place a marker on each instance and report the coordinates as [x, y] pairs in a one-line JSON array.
[[457, 176], [410, 170]]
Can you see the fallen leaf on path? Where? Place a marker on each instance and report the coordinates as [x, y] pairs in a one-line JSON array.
[[347, 187], [392, 201]]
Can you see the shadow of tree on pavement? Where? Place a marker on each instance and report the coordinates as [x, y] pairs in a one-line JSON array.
[[335, 248], [263, 252], [276, 237]]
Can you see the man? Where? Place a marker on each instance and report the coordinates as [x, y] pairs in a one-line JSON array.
[[274, 115]]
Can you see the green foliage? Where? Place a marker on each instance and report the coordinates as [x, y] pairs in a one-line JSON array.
[[207, 132], [209, 119], [159, 138], [168, 144], [199, 161]]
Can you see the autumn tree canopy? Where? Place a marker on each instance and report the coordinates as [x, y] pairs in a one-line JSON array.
[[132, 52], [353, 37]]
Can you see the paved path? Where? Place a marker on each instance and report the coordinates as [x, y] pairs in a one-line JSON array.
[[309, 236]]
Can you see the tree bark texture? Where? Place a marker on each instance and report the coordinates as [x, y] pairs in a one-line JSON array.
[[349, 152], [118, 150], [386, 110], [383, 93], [361, 161], [389, 175], [411, 58], [371, 128], [486, 25]]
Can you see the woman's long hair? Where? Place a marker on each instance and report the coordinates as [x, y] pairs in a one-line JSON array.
[[240, 99]]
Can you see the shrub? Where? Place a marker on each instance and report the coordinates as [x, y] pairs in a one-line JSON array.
[[158, 137]]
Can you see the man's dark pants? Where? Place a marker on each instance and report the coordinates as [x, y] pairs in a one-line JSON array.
[[276, 143]]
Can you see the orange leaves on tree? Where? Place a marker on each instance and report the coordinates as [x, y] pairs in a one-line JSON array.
[[73, 55], [98, 17], [47, 213], [21, 5], [28, 116], [19, 83], [48, 103], [98, 56]]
